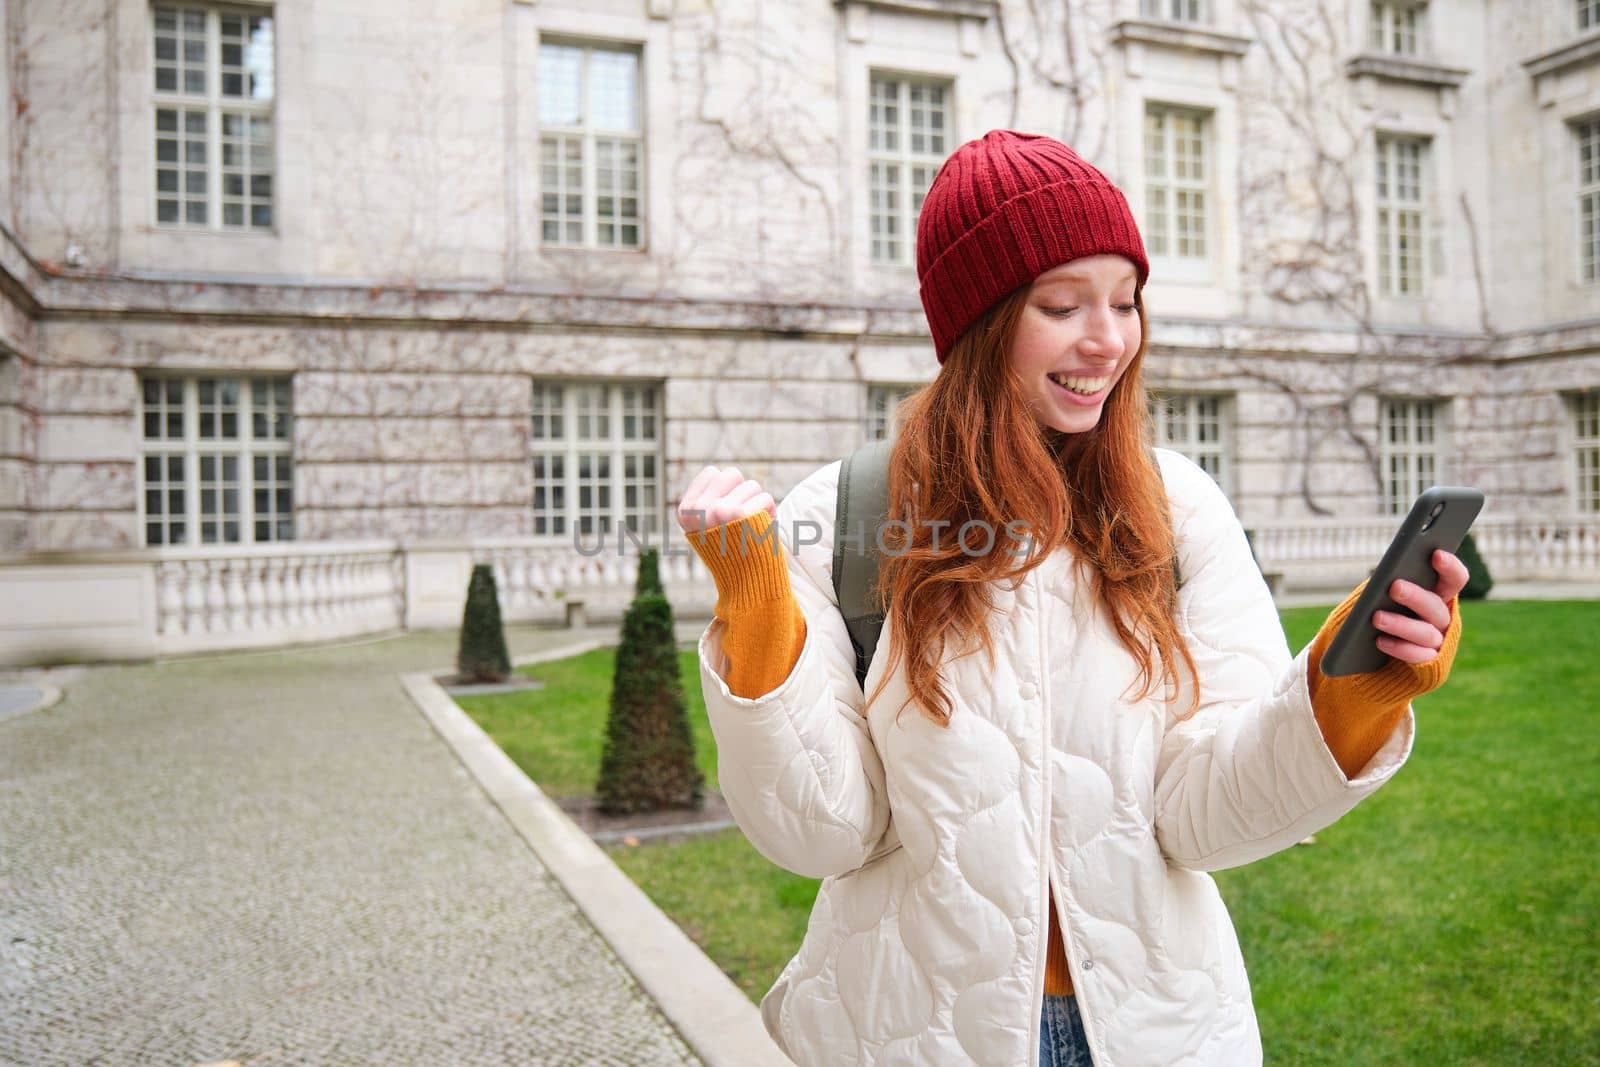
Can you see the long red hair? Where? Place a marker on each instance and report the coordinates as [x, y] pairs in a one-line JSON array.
[[969, 449]]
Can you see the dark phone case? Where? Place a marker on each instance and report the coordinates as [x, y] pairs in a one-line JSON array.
[[1353, 649]]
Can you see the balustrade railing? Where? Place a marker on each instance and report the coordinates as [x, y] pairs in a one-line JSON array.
[[1515, 549], [538, 580], [276, 594]]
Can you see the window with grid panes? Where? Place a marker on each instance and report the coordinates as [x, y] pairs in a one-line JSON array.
[[1194, 424], [1588, 14], [1175, 10], [1176, 175], [597, 459], [213, 117], [1586, 450], [1401, 216], [1395, 27], [1408, 450], [909, 133], [1588, 137], [882, 400], [591, 146], [216, 464]]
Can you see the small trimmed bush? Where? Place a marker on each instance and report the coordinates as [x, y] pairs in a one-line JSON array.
[[1478, 581], [649, 580], [648, 762], [482, 655]]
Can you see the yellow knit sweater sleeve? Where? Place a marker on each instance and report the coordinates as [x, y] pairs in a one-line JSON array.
[[1358, 712], [765, 629]]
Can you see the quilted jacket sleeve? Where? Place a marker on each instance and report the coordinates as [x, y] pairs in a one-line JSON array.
[[1249, 773], [797, 765]]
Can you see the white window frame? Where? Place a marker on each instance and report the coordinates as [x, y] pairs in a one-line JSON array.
[[1401, 206], [589, 137], [262, 402], [1398, 27], [1410, 449], [1588, 15], [883, 401], [1586, 133], [1166, 127], [256, 148], [1585, 428], [1199, 425], [574, 400], [1194, 12], [905, 168]]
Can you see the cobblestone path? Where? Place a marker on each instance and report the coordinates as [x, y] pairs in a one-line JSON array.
[[272, 859]]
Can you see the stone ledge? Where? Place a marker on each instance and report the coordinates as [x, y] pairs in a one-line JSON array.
[[1405, 69], [977, 9], [1180, 36], [1560, 60]]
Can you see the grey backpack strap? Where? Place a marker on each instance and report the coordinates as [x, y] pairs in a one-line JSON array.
[[862, 507]]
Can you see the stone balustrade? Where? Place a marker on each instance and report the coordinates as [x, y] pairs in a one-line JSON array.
[[538, 581], [1310, 551], [275, 594]]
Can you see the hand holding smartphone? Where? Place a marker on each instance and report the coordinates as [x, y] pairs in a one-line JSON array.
[[1438, 520]]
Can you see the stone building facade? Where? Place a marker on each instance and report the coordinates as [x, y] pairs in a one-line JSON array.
[[304, 273]]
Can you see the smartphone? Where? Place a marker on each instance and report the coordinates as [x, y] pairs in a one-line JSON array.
[[1439, 519]]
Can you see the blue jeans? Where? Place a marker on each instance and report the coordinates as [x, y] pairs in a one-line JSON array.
[[1062, 1042]]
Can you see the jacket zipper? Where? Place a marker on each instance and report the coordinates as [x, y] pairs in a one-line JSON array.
[[1043, 850], [1054, 913]]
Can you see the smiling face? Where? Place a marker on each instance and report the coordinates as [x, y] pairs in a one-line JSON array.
[[1078, 333]]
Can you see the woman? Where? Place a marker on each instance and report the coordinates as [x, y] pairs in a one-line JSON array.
[[1013, 832]]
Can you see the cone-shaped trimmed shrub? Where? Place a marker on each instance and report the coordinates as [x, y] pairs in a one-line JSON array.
[[648, 763], [649, 580], [482, 655], [1478, 581]]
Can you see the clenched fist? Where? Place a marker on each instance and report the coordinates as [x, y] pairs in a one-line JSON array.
[[718, 496]]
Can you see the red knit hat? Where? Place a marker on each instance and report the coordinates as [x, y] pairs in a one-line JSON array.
[[1003, 210]]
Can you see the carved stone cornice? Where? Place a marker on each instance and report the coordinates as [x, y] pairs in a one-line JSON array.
[[1557, 61], [972, 9], [1407, 69], [1180, 37]]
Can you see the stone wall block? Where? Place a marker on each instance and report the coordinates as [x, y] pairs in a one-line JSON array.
[[446, 484], [16, 485], [342, 524], [502, 485], [426, 523], [17, 330], [93, 486], [452, 439], [16, 532], [330, 440], [474, 484], [340, 485], [87, 530], [10, 432], [498, 395], [761, 439], [91, 437], [64, 344], [710, 398], [90, 391], [416, 395]]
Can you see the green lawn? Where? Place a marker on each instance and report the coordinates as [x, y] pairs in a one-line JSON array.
[[1447, 920]]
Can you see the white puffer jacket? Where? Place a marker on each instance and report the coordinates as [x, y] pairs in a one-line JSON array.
[[936, 846]]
